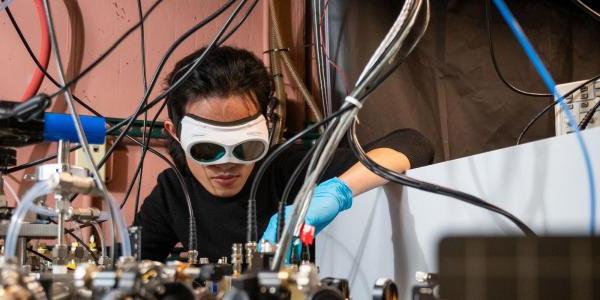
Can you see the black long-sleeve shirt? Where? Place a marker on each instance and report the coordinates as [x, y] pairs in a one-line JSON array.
[[222, 221]]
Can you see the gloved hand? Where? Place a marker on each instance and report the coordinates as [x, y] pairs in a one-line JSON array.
[[329, 198]]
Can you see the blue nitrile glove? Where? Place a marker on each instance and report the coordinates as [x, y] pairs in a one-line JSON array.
[[329, 198]]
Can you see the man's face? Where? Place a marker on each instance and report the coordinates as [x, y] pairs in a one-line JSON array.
[[222, 180]]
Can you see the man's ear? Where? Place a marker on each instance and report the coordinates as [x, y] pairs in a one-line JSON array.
[[170, 129]]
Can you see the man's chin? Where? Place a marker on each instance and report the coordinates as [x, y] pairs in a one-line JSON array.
[[226, 192]]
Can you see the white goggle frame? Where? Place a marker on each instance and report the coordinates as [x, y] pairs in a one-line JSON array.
[[228, 135]]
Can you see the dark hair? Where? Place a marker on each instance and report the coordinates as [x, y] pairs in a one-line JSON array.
[[225, 71]]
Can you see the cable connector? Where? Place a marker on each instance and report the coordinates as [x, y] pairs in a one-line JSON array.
[[31, 109], [192, 256], [66, 182]]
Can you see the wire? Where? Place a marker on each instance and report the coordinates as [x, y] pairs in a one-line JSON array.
[[551, 105], [139, 169], [106, 52], [551, 85], [39, 65], [425, 186], [128, 121], [488, 24], [77, 228], [33, 57], [339, 70], [44, 257], [12, 192], [146, 142], [286, 192], [4, 4], [251, 232], [184, 77], [98, 230], [80, 241], [116, 217], [588, 116], [150, 104], [38, 75], [145, 83], [237, 26], [588, 9], [322, 70], [192, 225]]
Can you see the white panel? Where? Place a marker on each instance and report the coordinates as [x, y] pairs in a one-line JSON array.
[[543, 183]]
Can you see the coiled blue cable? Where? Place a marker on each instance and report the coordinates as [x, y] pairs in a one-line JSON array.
[[551, 85]]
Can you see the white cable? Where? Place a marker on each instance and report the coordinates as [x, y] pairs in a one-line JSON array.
[[12, 192]]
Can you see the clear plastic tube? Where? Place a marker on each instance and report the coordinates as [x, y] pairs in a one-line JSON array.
[[12, 192], [104, 216], [42, 210], [121, 226], [12, 234]]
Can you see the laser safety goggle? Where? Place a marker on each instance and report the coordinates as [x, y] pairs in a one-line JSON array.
[[210, 142]]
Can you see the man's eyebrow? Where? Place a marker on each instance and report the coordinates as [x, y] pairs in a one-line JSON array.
[[224, 123]]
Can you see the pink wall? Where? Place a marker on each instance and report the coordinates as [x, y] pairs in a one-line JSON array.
[[115, 86]]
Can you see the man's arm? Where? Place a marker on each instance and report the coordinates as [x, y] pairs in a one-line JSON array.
[[360, 179], [346, 177]]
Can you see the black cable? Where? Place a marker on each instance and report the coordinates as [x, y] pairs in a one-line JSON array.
[[145, 83], [317, 147], [226, 37], [36, 61], [175, 85], [142, 44], [107, 52], [44, 257], [286, 192], [146, 142], [242, 21], [588, 9], [143, 155], [138, 170], [551, 105], [192, 218], [428, 187], [141, 108], [80, 241], [220, 40], [588, 116], [150, 104], [40, 67], [495, 63], [38, 64], [250, 234], [182, 79]]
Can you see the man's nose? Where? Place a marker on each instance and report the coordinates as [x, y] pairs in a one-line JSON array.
[[225, 167]]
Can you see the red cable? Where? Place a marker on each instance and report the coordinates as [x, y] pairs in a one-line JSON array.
[[44, 57]]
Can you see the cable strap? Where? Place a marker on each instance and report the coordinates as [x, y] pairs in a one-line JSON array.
[[353, 101]]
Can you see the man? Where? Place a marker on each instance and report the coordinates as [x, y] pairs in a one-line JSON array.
[[219, 135]]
